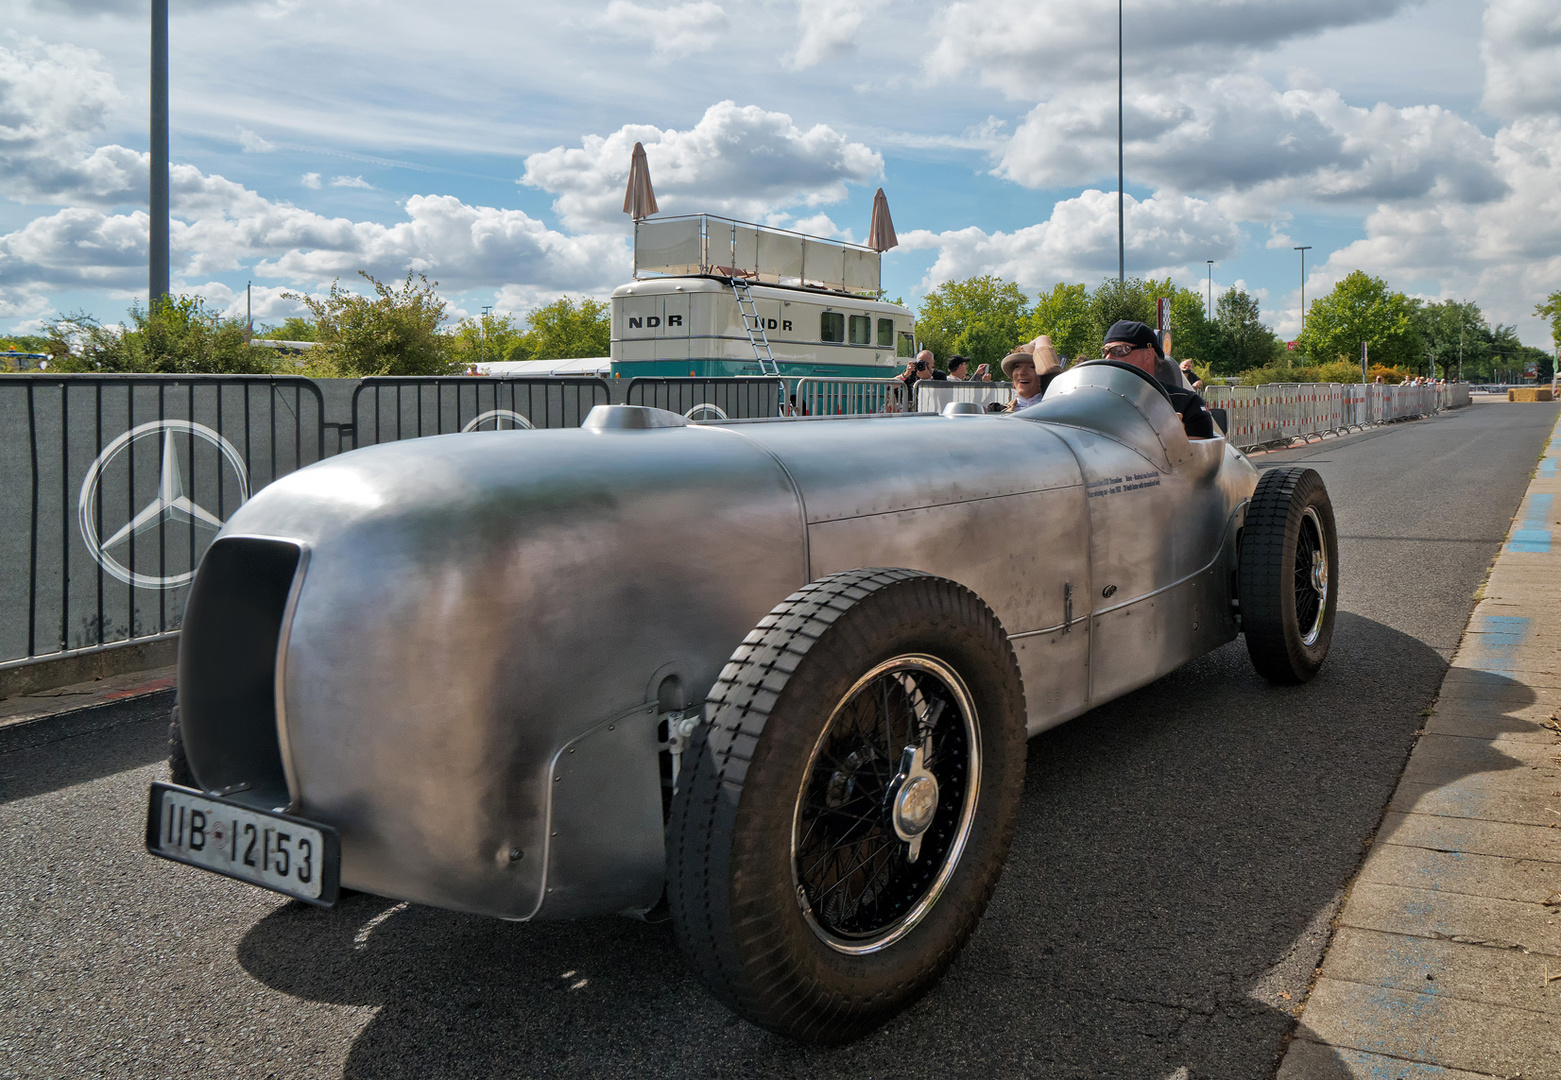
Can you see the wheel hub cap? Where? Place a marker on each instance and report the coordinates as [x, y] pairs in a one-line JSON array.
[[913, 798], [917, 802], [1319, 573]]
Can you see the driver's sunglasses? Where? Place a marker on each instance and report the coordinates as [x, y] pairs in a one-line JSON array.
[[1117, 352]]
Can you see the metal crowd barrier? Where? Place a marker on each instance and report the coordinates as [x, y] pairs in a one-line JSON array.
[[1278, 412], [387, 409], [851, 397], [932, 396], [116, 484], [737, 398]]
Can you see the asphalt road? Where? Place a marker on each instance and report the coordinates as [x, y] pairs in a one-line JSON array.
[[1181, 853]]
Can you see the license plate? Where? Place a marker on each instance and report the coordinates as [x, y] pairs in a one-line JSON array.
[[275, 851]]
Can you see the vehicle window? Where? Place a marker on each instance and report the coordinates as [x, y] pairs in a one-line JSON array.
[[886, 333], [906, 346], [832, 326], [861, 330]]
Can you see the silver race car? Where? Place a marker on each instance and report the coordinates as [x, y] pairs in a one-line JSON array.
[[771, 677]]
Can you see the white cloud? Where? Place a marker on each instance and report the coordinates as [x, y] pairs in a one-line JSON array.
[[1079, 242], [1028, 50], [52, 97], [831, 30], [1237, 134], [1506, 253], [461, 246], [351, 182], [1522, 53], [743, 161], [252, 143], [310, 180], [676, 30]]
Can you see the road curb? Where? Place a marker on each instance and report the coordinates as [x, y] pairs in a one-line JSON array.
[[1444, 951], [101, 711]]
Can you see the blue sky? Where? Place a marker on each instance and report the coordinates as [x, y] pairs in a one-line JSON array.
[[487, 144]]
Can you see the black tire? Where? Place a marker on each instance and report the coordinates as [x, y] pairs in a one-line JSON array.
[[786, 782], [1288, 585], [178, 765]]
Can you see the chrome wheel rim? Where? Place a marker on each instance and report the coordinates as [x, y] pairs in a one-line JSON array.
[[886, 803], [1311, 577]]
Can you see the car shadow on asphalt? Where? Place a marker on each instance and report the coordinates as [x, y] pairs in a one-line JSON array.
[[38, 770], [1180, 854]]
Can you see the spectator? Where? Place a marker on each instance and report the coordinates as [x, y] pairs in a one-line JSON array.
[[1031, 372], [959, 370]]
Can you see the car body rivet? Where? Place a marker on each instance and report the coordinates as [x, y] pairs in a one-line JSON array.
[[557, 778], [1109, 591], [515, 854]]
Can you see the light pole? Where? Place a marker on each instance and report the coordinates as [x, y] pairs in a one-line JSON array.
[[482, 334], [1211, 288], [157, 253], [1121, 244], [1303, 251]]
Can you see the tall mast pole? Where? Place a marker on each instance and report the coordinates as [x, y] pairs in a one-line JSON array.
[[1121, 234], [157, 260]]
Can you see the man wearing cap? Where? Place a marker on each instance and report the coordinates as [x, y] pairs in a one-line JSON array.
[[1031, 368], [1133, 343]]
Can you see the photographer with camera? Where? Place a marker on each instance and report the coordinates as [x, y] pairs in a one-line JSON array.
[[904, 397]]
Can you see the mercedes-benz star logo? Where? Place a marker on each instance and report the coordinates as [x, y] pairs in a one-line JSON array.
[[169, 504]]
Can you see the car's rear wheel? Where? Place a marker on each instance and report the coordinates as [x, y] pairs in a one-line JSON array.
[[178, 765], [843, 814], [1289, 575]]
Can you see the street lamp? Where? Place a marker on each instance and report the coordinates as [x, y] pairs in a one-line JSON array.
[[1303, 251], [482, 333], [1211, 288]]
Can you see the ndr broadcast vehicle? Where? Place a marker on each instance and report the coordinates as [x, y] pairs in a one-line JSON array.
[[775, 675]]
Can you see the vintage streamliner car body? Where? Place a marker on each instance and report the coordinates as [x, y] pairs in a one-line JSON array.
[[774, 674]]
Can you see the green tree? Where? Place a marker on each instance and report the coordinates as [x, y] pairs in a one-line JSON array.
[[1244, 341], [1193, 336], [393, 332], [1063, 315], [1448, 328], [1550, 310], [983, 318], [1362, 308], [564, 330], [1133, 299], [487, 338], [173, 336], [292, 328]]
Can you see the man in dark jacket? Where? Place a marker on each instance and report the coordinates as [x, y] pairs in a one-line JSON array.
[[1129, 342]]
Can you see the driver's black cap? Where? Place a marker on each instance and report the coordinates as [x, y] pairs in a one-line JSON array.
[[1133, 333]]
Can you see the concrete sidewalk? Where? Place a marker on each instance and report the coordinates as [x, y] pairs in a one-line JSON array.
[[1446, 956], [64, 712]]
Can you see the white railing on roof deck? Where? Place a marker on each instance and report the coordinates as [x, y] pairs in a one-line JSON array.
[[706, 244]]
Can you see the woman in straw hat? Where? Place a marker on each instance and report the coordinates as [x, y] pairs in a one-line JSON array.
[[1031, 367]]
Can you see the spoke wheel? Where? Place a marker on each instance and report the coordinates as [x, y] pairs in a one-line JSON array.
[[1288, 581], [843, 813], [876, 838]]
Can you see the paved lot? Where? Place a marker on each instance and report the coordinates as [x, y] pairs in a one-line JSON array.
[[1181, 854]]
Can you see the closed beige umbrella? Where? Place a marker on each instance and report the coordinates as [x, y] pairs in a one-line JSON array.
[[880, 234], [639, 201]]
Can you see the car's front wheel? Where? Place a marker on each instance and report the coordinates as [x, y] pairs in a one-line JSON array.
[[844, 812], [1289, 579]]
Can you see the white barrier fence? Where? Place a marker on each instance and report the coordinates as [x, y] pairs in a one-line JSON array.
[[1256, 415], [1275, 412]]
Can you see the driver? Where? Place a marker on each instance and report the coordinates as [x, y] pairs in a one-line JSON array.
[[1133, 343]]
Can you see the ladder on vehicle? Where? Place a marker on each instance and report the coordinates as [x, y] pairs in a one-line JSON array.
[[755, 327]]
